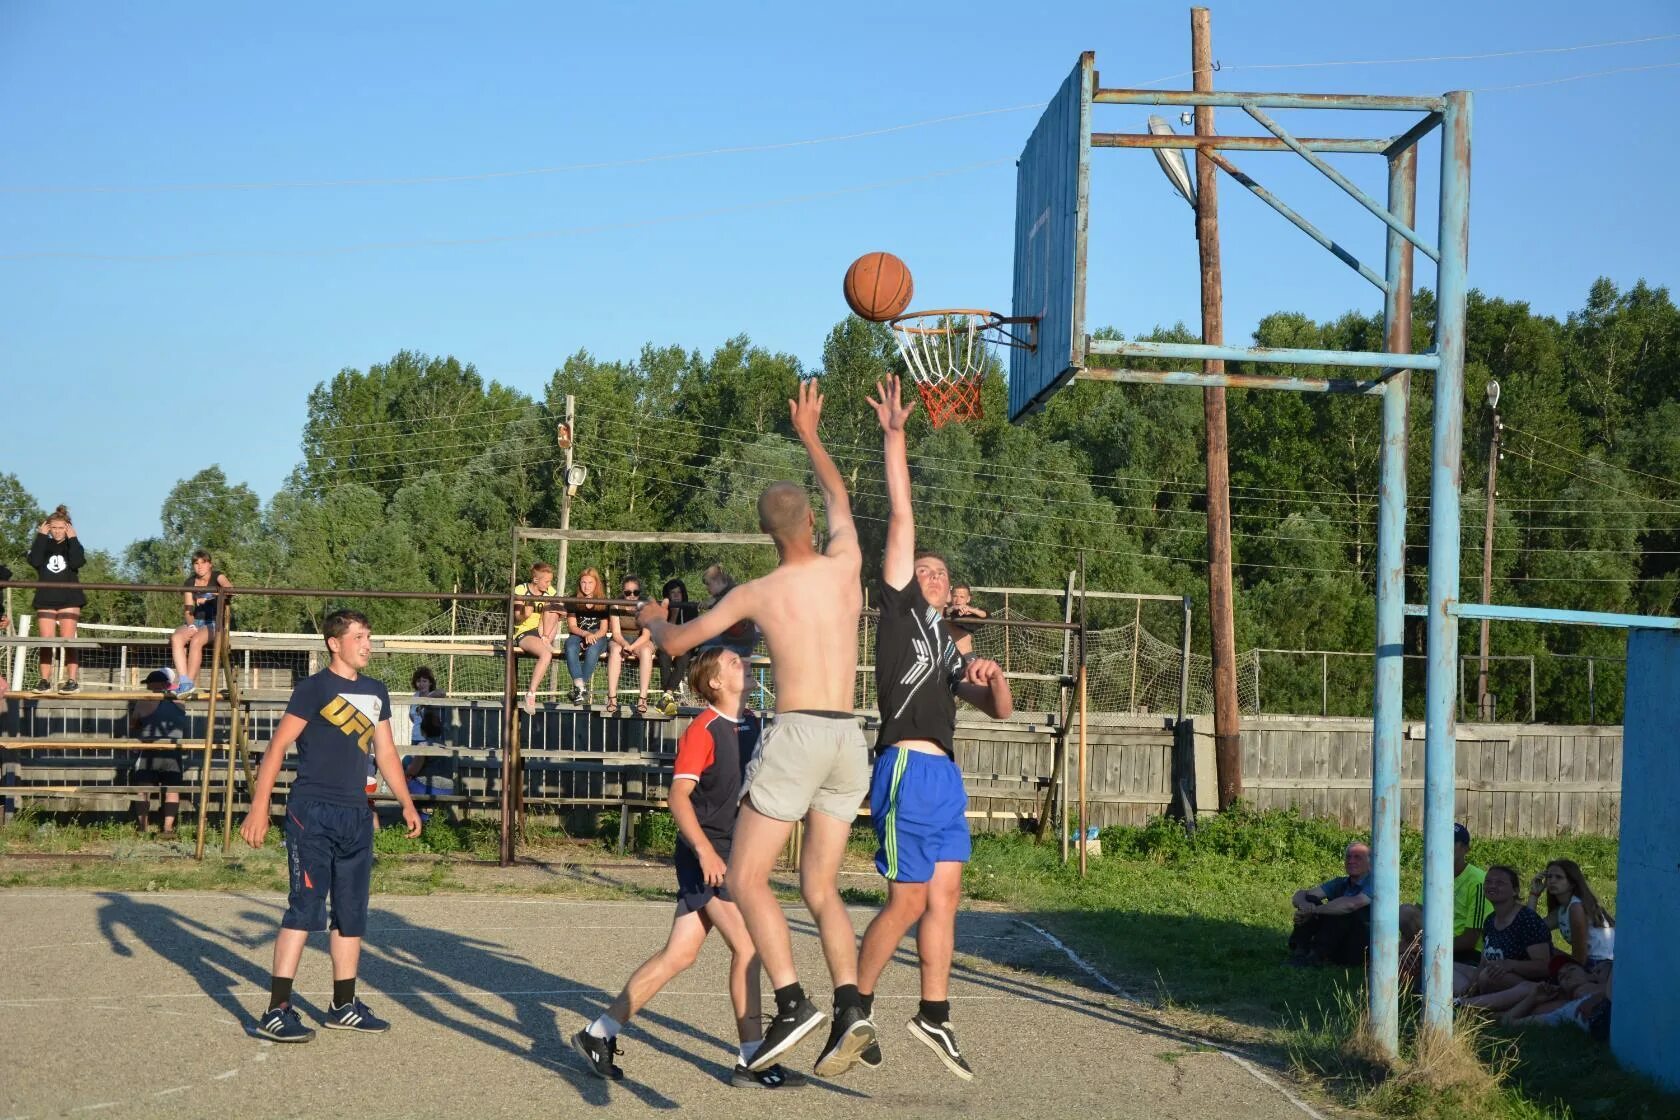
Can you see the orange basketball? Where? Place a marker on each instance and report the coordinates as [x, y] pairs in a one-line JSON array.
[[878, 286]]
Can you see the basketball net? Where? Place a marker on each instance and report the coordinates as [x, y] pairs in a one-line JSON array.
[[945, 352]]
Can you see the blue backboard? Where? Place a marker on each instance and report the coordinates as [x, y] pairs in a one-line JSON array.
[[1052, 192]]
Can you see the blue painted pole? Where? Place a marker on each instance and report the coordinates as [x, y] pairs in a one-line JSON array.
[[1367, 359], [1384, 984], [1445, 478]]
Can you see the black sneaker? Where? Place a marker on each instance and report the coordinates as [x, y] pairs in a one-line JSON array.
[[70, 686], [775, 1077], [283, 1024], [786, 1031], [43, 685], [598, 1054], [355, 1016], [577, 696], [851, 1035], [942, 1041], [871, 1056]]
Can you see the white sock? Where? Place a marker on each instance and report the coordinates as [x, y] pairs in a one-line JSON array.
[[748, 1049], [605, 1027]]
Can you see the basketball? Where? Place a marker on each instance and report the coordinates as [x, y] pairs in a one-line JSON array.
[[878, 286]]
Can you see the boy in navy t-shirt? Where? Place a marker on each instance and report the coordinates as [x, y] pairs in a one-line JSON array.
[[337, 718], [712, 755]]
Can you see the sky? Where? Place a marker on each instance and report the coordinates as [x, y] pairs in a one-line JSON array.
[[206, 209]]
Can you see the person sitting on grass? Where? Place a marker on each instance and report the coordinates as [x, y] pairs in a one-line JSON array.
[[1574, 911], [1470, 910], [1570, 995], [1516, 945], [1333, 919]]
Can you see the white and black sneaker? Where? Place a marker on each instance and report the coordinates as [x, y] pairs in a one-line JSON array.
[[942, 1040], [598, 1054], [786, 1031], [871, 1056], [851, 1035], [773, 1077]]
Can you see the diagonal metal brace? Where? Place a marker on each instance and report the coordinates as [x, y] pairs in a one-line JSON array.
[[1296, 219], [1345, 183]]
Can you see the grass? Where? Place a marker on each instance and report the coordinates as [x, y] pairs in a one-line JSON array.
[[1197, 924]]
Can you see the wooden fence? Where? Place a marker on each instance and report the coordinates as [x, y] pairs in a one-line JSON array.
[[1532, 780]]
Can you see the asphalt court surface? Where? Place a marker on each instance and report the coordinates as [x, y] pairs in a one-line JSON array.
[[140, 1004]]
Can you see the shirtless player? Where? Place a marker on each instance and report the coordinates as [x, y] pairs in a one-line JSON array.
[[812, 764]]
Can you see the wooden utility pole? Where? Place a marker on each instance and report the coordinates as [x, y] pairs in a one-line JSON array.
[[1227, 743], [1484, 699]]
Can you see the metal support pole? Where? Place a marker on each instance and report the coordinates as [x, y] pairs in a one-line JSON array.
[[1184, 664], [510, 712], [1592, 695], [1068, 700], [1445, 480], [1084, 752], [1383, 988], [1137, 640], [1226, 721], [1530, 686], [565, 516], [1324, 683], [1484, 707]]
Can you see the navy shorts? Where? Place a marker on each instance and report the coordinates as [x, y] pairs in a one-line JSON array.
[[692, 891], [920, 812], [329, 852]]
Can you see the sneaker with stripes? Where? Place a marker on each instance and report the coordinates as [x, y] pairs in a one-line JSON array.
[[942, 1040], [354, 1016], [283, 1024]]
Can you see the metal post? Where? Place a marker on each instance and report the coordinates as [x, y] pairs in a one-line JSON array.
[[1483, 704], [1383, 988], [510, 712], [565, 516], [1530, 686], [1084, 826], [454, 614], [1226, 722], [1445, 480], [1592, 695], [1067, 703], [1324, 683], [1137, 640], [1184, 664]]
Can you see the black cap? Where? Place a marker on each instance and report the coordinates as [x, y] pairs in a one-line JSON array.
[[1461, 835], [157, 676]]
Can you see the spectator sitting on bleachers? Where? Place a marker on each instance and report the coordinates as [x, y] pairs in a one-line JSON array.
[[536, 621], [673, 671], [426, 730], [589, 635], [629, 640], [960, 607], [158, 720], [199, 630], [742, 637]]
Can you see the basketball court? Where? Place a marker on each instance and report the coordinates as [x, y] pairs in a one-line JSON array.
[[483, 990]]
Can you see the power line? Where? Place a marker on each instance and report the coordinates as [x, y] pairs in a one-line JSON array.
[[1596, 462], [1578, 77], [501, 239]]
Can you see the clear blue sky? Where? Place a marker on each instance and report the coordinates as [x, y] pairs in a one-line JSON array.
[[119, 376]]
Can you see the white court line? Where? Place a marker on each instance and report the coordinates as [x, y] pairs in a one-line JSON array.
[[1244, 1063]]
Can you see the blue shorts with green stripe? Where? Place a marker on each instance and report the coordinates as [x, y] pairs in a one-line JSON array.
[[920, 811]]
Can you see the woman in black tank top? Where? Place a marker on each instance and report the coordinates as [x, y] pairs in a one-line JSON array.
[[198, 603]]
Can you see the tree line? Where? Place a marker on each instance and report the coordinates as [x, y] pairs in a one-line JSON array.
[[414, 472]]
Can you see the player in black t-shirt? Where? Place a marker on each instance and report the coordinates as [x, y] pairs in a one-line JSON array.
[[916, 800], [712, 755], [336, 718]]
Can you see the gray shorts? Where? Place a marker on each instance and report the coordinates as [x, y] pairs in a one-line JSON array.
[[809, 760]]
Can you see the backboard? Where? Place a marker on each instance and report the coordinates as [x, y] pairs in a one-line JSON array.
[[1052, 193]]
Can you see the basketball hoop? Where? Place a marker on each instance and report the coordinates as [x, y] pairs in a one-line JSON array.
[[946, 351]]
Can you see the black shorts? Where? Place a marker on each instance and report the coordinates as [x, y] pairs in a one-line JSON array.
[[329, 853], [157, 768], [59, 598], [692, 891]]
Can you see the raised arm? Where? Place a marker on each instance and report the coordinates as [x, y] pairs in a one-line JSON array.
[[806, 411], [677, 640], [898, 565]]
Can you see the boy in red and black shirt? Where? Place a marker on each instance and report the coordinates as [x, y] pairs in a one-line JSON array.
[[712, 755]]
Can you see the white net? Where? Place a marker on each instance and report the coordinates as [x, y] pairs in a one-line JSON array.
[[946, 354]]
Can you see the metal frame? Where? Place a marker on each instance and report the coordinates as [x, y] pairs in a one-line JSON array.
[[1391, 381]]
